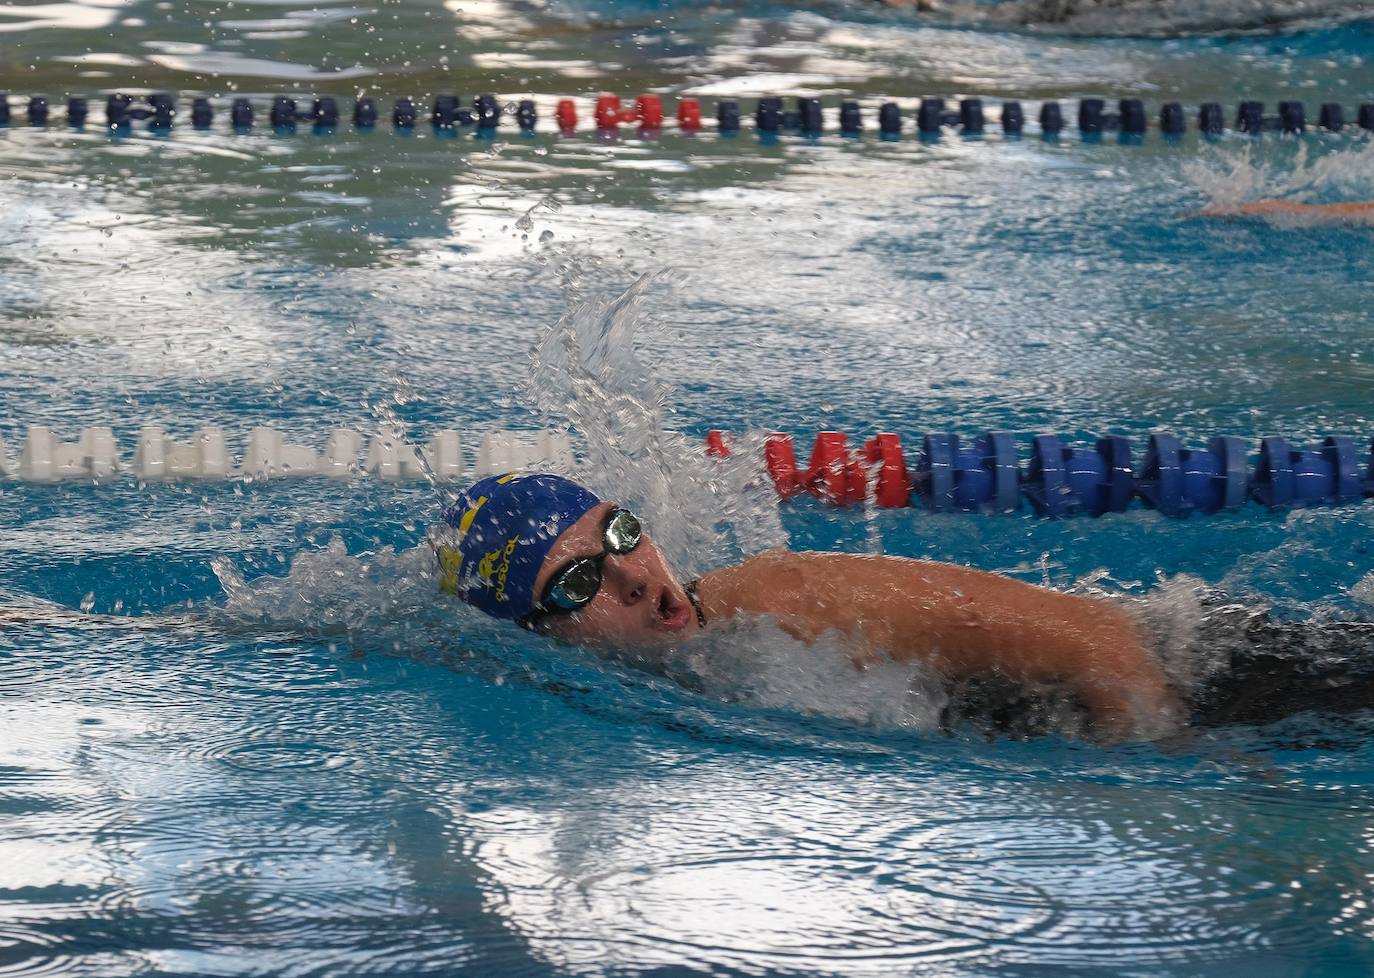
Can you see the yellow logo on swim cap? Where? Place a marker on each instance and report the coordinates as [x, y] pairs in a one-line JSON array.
[[465, 523], [451, 559], [488, 568]]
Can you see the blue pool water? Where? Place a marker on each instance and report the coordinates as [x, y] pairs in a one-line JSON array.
[[317, 766]]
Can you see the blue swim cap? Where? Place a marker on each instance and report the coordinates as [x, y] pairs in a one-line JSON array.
[[502, 529]]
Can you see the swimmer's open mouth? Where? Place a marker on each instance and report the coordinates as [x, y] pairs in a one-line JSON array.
[[673, 615]]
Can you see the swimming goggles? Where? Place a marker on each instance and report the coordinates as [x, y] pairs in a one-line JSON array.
[[574, 586]]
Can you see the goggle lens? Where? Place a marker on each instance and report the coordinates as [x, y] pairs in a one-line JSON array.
[[574, 587], [577, 585], [622, 532]]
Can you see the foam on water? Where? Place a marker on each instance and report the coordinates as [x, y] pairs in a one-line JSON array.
[[374, 598], [389, 603]]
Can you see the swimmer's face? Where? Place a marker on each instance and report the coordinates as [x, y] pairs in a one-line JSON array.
[[640, 602]]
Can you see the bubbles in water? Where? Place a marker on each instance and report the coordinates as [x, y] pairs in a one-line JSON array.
[[1169, 617], [375, 599], [751, 660]]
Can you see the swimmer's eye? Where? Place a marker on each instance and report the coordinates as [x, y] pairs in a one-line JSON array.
[[574, 586], [623, 531]]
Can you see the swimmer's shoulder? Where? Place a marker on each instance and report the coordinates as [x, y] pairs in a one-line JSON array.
[[753, 585], [783, 581]]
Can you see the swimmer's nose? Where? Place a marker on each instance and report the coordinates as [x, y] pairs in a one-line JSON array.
[[629, 582]]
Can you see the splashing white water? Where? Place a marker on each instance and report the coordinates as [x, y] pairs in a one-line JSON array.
[[389, 602], [374, 600], [1363, 591], [594, 372], [1237, 175], [1169, 617], [751, 660]]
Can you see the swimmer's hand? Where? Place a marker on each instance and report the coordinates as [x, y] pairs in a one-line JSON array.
[[1125, 689]]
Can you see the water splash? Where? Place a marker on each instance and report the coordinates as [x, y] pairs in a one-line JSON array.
[[600, 372], [1234, 176], [1170, 618], [526, 220], [751, 660], [379, 600], [596, 372], [747, 681]]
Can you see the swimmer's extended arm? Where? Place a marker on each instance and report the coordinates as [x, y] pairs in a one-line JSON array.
[[958, 620], [1355, 210]]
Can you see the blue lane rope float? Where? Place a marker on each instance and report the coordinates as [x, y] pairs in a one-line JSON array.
[[984, 474], [933, 116]]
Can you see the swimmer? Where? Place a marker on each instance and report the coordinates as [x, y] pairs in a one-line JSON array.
[[1357, 212], [546, 553]]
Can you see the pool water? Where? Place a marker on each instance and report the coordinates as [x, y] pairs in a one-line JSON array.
[[287, 755]]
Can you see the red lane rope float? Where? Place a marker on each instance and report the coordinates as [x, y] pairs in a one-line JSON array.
[[567, 115], [834, 474], [607, 112], [688, 115], [894, 483], [647, 111]]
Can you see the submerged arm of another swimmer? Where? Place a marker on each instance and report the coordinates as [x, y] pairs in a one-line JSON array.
[[1359, 211], [957, 620]]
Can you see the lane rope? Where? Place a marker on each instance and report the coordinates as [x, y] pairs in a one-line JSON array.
[[949, 474], [984, 473], [771, 117]]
